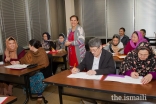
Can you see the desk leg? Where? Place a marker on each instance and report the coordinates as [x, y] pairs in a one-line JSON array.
[[60, 89], [65, 61], [26, 87]]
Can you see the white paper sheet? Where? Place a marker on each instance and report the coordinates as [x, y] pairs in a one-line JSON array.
[[124, 79], [83, 75], [17, 66], [122, 56], [2, 99], [47, 51], [1, 63]]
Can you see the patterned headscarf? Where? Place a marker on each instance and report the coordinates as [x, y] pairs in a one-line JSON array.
[[140, 39], [11, 53], [143, 67]]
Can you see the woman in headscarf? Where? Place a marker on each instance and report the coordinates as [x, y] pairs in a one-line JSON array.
[[140, 62], [36, 55], [46, 42], [115, 45], [136, 38], [60, 43], [13, 52]]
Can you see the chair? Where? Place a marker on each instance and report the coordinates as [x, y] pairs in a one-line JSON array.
[[86, 42]]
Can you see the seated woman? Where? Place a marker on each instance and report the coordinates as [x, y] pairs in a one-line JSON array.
[[46, 42], [60, 43], [36, 55], [60, 46], [136, 38], [115, 45], [13, 52], [140, 62]]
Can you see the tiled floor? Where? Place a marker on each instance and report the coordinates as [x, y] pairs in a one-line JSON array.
[[50, 93]]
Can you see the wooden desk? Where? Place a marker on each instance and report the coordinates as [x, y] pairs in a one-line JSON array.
[[19, 77], [9, 100], [62, 54], [117, 59], [96, 89]]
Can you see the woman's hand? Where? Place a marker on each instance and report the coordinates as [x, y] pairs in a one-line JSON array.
[[147, 79], [14, 62], [134, 75], [67, 43], [7, 59]]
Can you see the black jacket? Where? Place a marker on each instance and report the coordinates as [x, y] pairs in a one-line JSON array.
[[106, 63], [125, 40]]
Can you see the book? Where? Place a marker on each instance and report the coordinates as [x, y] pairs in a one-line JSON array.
[[17, 66]]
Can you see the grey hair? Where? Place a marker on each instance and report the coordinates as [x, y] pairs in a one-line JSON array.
[[94, 42]]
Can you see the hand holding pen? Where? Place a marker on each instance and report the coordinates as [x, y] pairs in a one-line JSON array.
[[74, 69], [134, 74]]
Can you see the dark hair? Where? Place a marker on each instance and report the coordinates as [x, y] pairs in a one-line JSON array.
[[62, 35], [143, 30], [75, 17], [94, 42], [122, 28], [135, 33], [48, 35], [116, 36], [35, 43]]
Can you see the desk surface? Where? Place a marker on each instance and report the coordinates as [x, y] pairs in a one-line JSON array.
[[59, 54], [61, 79], [117, 59], [10, 99], [8, 71]]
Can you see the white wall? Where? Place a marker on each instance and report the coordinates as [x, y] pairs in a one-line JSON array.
[[69, 8]]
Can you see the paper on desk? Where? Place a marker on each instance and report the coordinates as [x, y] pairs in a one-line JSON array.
[[83, 75], [123, 79], [2, 99], [17, 66], [1, 63], [47, 51], [122, 56]]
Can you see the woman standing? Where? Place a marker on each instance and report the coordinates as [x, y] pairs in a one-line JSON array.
[[75, 42], [136, 38], [140, 62]]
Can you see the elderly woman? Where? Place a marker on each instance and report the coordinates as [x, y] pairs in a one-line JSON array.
[[115, 46], [13, 52], [140, 62], [136, 38], [75, 42]]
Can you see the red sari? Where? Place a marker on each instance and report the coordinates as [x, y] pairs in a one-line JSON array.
[[71, 51]]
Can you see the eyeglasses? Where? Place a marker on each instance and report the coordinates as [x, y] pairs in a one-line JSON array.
[[94, 50], [143, 55]]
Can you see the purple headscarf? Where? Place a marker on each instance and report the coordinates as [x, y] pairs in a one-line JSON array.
[[141, 39]]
